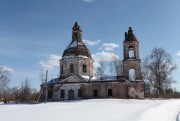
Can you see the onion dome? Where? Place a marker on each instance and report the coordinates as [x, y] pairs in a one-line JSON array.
[[76, 48]]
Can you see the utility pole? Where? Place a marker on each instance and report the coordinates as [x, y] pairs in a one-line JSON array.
[[46, 86]]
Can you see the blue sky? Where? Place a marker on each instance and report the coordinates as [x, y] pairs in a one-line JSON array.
[[34, 33]]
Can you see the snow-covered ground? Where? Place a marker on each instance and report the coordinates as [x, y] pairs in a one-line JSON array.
[[94, 110]]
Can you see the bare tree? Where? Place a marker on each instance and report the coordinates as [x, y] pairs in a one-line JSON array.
[[157, 69], [15, 93], [100, 71], [115, 66], [24, 93], [34, 94], [4, 81], [25, 90]]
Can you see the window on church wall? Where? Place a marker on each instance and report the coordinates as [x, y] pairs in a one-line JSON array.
[[110, 92], [49, 93], [72, 68], [62, 70], [132, 74], [131, 52], [62, 93], [84, 68], [95, 92], [79, 93]]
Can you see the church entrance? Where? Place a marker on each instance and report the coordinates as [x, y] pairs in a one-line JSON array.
[[71, 94]]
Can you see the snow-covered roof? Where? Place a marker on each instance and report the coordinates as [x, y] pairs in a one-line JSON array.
[[86, 78], [76, 49], [105, 78], [74, 44], [52, 81]]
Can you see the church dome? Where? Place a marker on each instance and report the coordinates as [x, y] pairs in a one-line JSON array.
[[76, 48]]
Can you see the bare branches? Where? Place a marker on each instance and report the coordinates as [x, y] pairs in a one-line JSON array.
[[23, 93], [4, 81], [100, 71], [115, 66], [157, 69]]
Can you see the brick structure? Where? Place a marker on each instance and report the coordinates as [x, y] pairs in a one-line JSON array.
[[131, 56], [76, 79]]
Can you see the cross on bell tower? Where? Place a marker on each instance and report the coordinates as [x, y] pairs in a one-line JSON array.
[[131, 62]]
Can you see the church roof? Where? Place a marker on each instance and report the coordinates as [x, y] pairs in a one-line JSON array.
[[76, 48], [85, 79]]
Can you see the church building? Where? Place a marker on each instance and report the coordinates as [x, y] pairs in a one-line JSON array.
[[77, 81]]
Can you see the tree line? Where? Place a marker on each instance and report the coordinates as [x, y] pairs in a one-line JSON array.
[[22, 93]]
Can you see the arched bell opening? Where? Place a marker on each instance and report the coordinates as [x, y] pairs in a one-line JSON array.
[[131, 52]]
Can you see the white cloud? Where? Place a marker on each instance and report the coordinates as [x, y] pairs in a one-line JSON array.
[[102, 56], [91, 43], [7, 68], [109, 46], [88, 1], [178, 53], [52, 62]]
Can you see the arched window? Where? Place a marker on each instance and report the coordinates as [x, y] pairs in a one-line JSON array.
[[132, 74], [72, 68], [84, 69], [62, 93], [109, 92], [61, 69], [131, 52]]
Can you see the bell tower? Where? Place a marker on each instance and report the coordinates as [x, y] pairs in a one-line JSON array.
[[131, 62]]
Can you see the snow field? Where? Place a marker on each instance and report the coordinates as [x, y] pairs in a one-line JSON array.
[[94, 110], [165, 111]]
